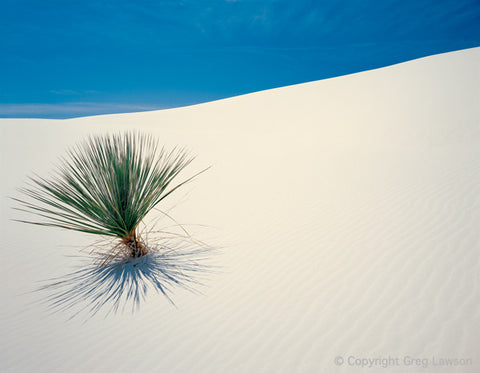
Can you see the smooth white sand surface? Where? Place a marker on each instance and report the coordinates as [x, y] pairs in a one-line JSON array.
[[348, 212]]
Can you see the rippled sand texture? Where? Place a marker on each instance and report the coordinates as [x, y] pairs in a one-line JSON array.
[[348, 212]]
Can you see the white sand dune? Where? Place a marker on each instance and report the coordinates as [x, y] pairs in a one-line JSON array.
[[348, 211]]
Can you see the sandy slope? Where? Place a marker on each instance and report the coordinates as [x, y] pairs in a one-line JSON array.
[[349, 215]]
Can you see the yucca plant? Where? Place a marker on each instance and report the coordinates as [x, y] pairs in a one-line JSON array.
[[106, 186]]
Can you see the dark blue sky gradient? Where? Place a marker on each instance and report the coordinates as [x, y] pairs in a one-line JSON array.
[[69, 58]]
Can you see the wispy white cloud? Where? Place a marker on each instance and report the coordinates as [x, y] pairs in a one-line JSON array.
[[68, 110], [71, 92]]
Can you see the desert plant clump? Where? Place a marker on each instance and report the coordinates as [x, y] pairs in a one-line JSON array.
[[106, 186]]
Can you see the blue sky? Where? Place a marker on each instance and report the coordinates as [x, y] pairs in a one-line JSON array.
[[67, 58]]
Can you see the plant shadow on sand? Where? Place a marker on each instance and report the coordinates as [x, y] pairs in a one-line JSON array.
[[116, 282]]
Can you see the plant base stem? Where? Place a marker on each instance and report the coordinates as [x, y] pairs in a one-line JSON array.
[[134, 246]]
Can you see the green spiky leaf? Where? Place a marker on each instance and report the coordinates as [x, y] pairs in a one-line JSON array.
[[106, 185]]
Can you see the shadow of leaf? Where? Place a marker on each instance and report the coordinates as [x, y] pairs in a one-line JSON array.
[[124, 282]]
